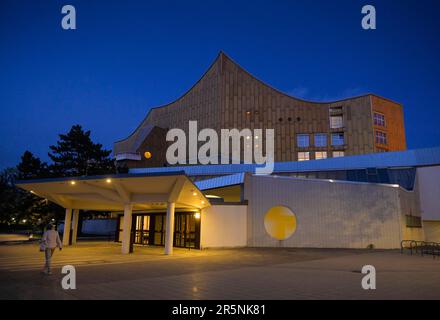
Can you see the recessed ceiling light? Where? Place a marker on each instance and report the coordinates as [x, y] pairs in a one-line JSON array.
[[211, 196]]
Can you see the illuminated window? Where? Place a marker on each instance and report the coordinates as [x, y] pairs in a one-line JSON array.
[[379, 119], [320, 140], [338, 154], [303, 156], [336, 122], [320, 155], [338, 139], [381, 137], [303, 140]]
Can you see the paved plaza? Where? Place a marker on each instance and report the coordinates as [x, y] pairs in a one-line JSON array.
[[248, 273]]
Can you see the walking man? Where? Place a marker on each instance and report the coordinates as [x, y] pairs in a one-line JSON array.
[[49, 242]]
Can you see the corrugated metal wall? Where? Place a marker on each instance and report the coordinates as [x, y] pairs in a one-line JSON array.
[[329, 214]]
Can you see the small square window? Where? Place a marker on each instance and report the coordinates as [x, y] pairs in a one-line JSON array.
[[303, 140], [381, 137], [303, 156], [338, 139], [338, 154], [320, 155], [336, 122], [379, 119], [320, 140]]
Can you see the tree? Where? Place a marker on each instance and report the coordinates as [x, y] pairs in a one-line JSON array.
[[28, 208], [74, 155], [77, 155], [31, 167], [7, 196], [18, 206]]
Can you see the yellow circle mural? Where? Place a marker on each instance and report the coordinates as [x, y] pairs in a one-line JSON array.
[[147, 154], [280, 222]]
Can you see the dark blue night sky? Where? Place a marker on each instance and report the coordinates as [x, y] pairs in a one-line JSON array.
[[128, 56]]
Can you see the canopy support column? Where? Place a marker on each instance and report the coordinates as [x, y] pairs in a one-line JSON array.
[[67, 226], [126, 230], [75, 221], [169, 233]]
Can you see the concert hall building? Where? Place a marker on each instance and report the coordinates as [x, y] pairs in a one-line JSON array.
[[227, 97], [342, 176]]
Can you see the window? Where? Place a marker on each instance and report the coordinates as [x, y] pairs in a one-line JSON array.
[[336, 122], [303, 156], [381, 137], [320, 140], [303, 140], [120, 225], [320, 155], [338, 154], [413, 221], [334, 110], [338, 139], [379, 119]]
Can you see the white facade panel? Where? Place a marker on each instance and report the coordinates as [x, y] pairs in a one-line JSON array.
[[223, 226], [428, 179], [329, 214]]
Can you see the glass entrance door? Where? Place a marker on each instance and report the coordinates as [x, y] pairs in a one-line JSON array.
[[142, 229], [159, 229], [149, 229], [186, 231]]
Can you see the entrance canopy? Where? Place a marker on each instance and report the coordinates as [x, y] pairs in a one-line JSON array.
[[112, 192]]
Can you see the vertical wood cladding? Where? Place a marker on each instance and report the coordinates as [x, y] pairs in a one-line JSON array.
[[229, 97], [394, 123]]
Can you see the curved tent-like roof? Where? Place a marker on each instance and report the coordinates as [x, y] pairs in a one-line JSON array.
[[210, 94]]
